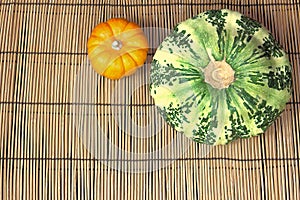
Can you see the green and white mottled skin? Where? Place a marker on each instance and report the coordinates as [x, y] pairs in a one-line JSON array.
[[245, 103]]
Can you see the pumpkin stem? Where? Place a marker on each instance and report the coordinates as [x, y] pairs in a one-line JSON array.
[[116, 45], [219, 74]]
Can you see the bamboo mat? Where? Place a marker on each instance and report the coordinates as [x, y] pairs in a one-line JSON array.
[[58, 120]]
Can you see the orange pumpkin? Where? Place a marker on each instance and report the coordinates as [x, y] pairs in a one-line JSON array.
[[116, 48]]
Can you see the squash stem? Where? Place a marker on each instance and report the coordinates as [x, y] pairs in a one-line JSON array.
[[219, 74], [116, 45]]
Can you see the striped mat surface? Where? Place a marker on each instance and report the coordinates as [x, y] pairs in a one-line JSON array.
[[67, 133]]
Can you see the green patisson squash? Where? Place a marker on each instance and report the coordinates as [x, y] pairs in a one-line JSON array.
[[220, 76]]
